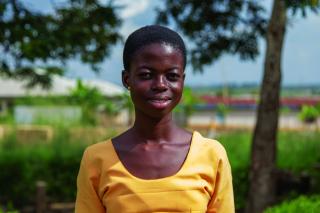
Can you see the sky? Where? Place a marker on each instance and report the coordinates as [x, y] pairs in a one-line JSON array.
[[300, 63]]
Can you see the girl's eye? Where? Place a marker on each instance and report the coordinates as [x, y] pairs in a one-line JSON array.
[[173, 76], [145, 75]]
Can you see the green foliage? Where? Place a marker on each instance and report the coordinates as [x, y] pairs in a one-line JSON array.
[[42, 101], [318, 107], [7, 118], [308, 113], [126, 102], [186, 107], [240, 179], [8, 209], [303, 6], [237, 145], [238, 157], [42, 105], [111, 108], [89, 98], [297, 152], [84, 29], [220, 27], [86, 95], [188, 102], [285, 110], [301, 204], [56, 163], [222, 110], [217, 27], [234, 27]]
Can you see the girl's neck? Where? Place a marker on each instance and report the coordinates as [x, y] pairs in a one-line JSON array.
[[154, 129]]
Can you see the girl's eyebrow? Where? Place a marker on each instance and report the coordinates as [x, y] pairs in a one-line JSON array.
[[173, 68], [144, 67]]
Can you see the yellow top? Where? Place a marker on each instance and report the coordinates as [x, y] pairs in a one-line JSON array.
[[203, 183]]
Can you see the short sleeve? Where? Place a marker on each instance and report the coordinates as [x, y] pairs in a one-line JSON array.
[[87, 197], [222, 200]]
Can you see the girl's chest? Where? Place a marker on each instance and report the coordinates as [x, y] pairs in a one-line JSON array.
[[154, 161]]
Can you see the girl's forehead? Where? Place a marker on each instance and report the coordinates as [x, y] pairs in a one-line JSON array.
[[157, 53], [158, 56], [157, 44], [168, 48], [160, 47]]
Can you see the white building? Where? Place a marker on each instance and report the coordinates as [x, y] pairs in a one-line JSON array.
[[11, 89]]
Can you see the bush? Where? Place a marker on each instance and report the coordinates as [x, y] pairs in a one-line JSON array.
[[308, 114], [56, 163], [240, 181], [297, 153], [301, 204]]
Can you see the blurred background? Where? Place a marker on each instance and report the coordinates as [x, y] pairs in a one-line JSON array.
[[252, 82]]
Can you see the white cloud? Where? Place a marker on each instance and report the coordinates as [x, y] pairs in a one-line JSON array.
[[132, 8]]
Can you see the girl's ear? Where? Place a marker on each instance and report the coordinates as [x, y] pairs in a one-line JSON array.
[[183, 78], [125, 79]]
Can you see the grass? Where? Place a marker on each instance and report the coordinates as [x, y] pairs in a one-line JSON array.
[[301, 204], [296, 151], [57, 162], [237, 145]]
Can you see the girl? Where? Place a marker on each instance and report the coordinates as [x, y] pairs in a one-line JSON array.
[[155, 166]]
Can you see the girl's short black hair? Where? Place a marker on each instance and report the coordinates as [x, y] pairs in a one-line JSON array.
[[148, 35]]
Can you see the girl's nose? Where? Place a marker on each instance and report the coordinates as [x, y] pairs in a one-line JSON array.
[[159, 83]]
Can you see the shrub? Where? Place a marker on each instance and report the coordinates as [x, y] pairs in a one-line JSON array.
[[222, 110], [57, 163], [240, 181], [237, 145], [301, 204], [297, 153], [308, 114]]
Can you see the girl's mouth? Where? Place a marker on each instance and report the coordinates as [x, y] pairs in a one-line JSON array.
[[159, 103]]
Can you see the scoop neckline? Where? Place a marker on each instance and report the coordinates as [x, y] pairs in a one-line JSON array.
[[182, 167]]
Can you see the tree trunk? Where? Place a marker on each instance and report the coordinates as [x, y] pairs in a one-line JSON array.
[[263, 154]]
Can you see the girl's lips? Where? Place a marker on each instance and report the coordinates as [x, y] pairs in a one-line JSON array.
[[159, 103]]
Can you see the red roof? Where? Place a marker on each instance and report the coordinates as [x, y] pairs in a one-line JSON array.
[[295, 101]]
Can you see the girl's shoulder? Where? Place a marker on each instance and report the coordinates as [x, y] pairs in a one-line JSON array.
[[209, 147], [100, 154], [102, 146]]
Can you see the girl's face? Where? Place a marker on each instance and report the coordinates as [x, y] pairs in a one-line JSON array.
[[155, 79]]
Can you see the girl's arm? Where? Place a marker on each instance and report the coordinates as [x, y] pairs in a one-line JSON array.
[[222, 200], [87, 197]]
